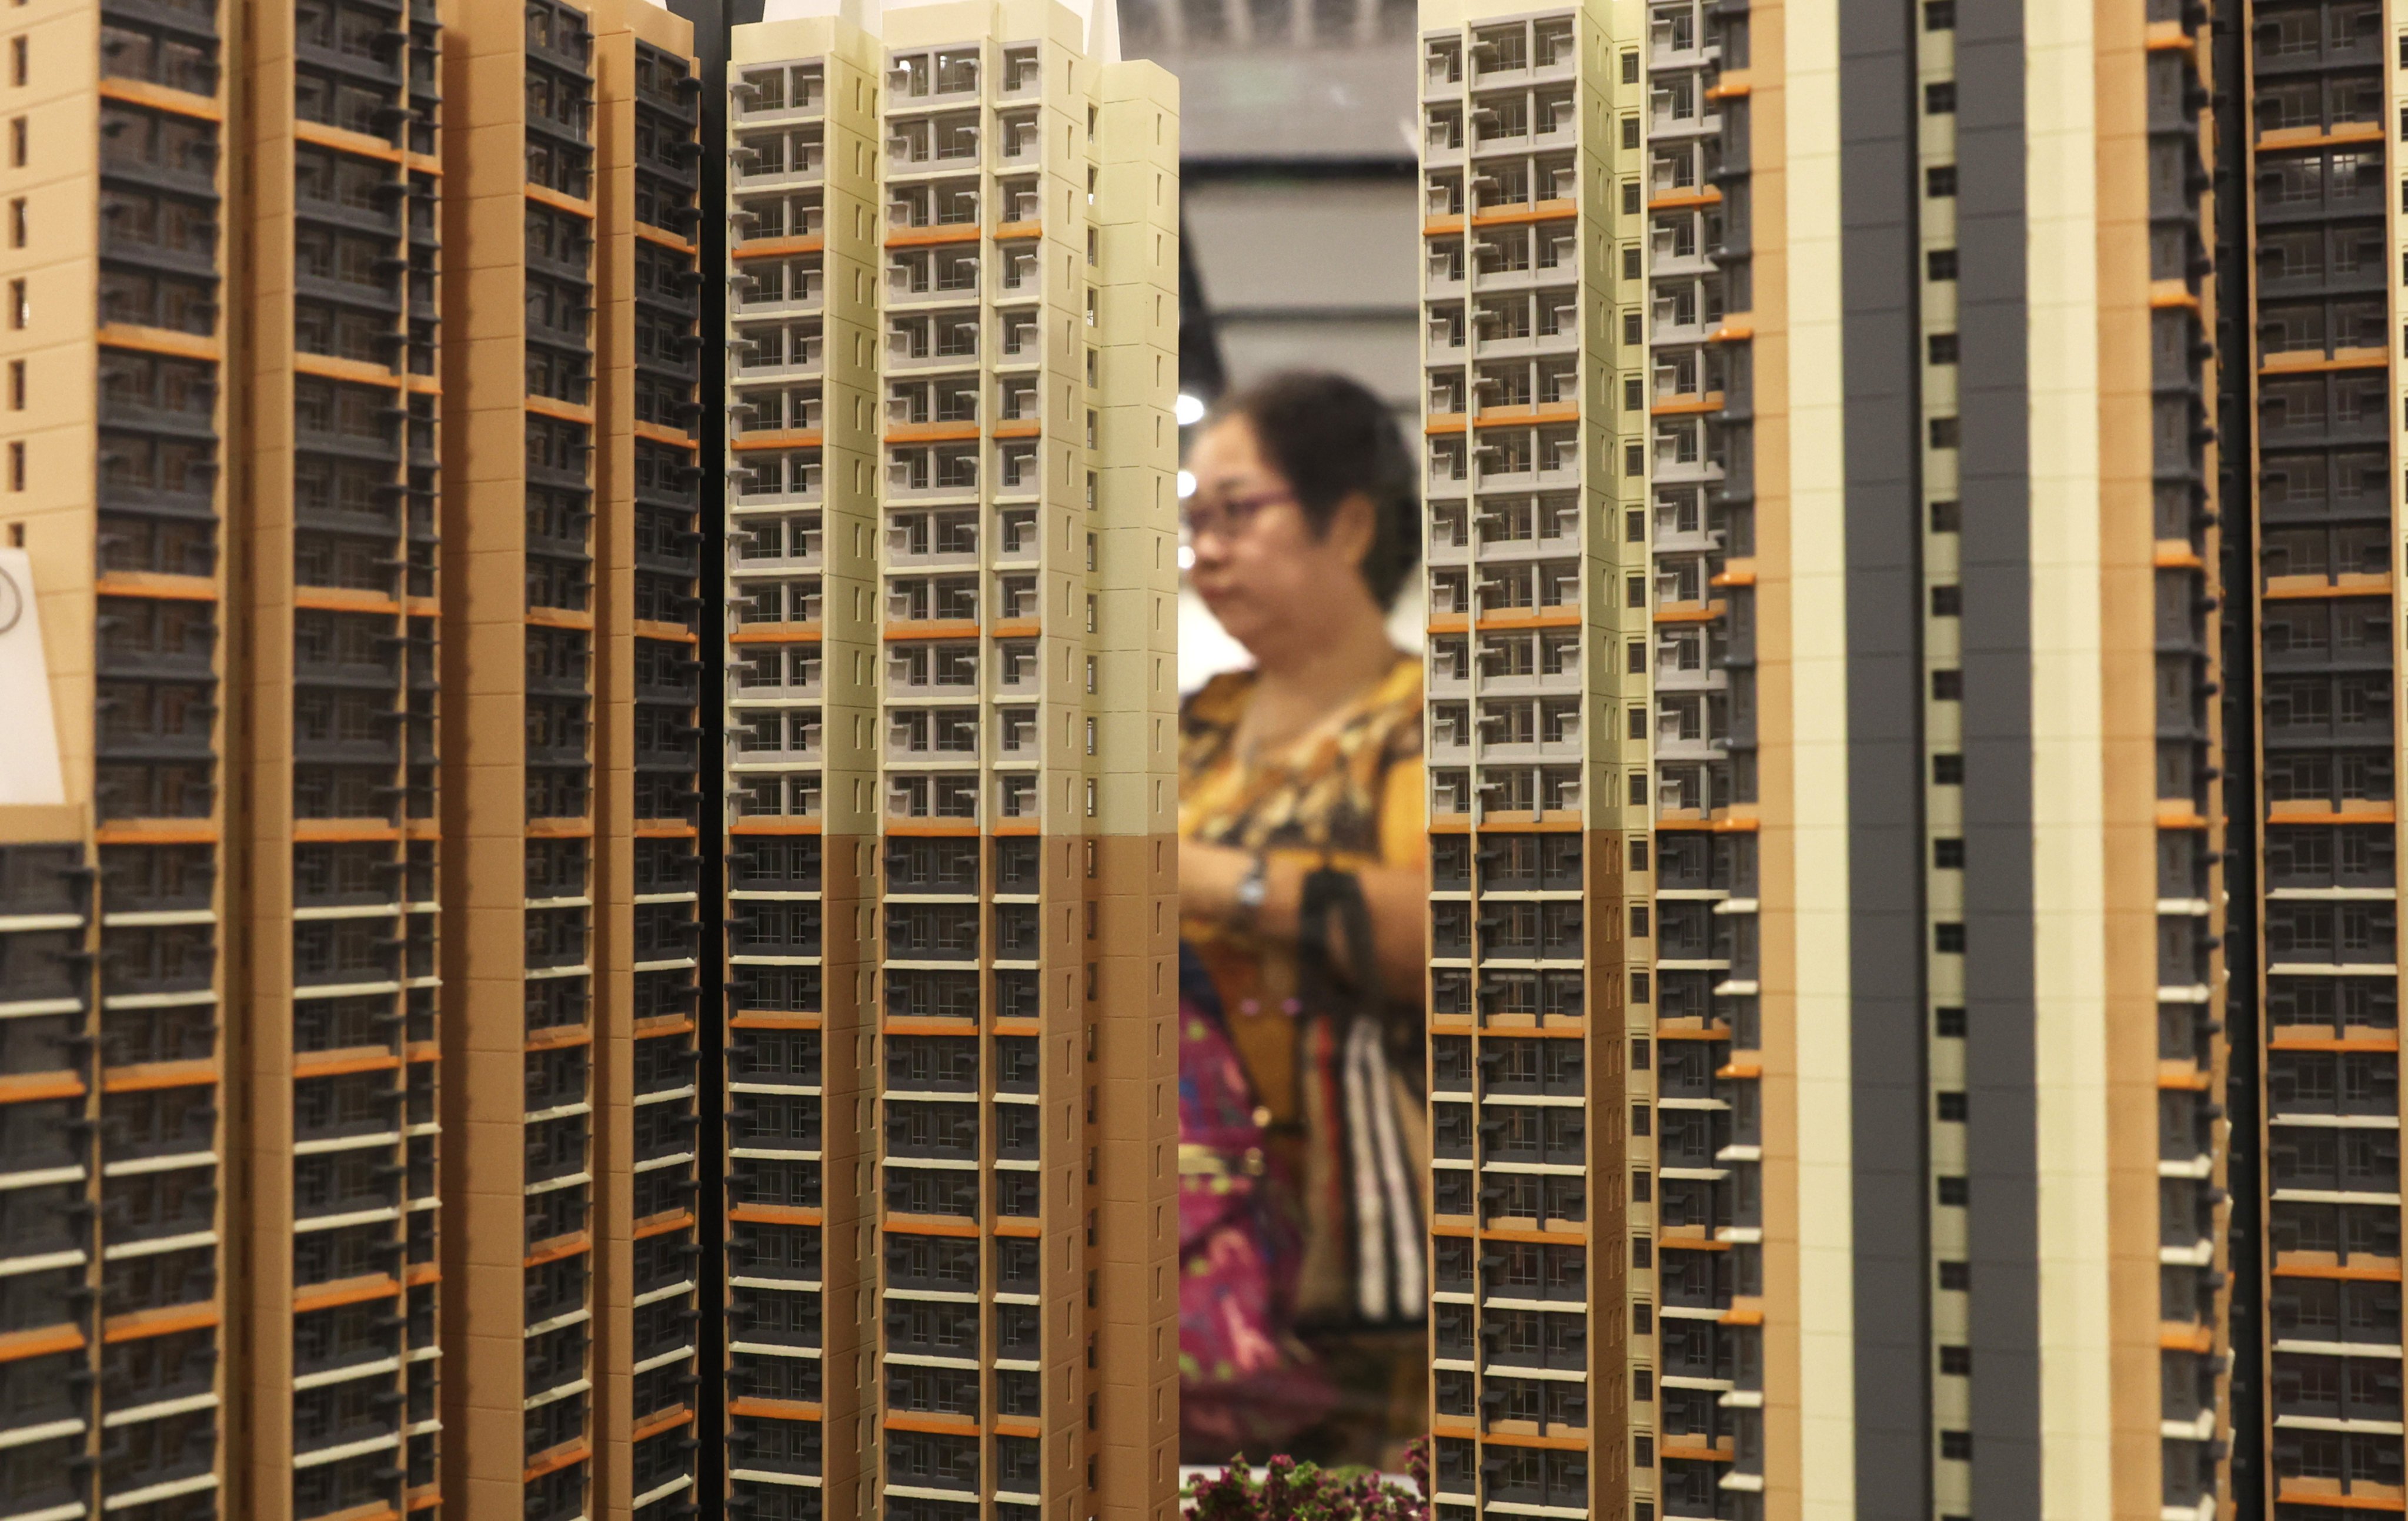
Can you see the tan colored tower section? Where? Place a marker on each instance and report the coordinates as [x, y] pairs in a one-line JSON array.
[[650, 357], [115, 418], [1542, 1032], [524, 523]]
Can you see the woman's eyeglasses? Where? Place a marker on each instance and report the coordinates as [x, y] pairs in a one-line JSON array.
[[1226, 516]]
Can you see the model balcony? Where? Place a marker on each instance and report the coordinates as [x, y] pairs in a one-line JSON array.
[[787, 160], [780, 93]]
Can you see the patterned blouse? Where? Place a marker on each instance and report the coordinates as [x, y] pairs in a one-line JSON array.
[[1348, 793]]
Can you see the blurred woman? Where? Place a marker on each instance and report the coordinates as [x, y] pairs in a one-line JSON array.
[[1302, 829]]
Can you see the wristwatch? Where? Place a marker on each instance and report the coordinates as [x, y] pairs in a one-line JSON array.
[[1253, 888]]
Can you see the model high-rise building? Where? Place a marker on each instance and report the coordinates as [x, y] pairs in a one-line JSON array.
[[1539, 1039], [1914, 1209], [2320, 635], [954, 248], [114, 996]]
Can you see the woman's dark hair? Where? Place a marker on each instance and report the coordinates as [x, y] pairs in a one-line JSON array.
[[1331, 439]]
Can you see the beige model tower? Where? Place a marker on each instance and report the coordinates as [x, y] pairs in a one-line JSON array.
[[1888, 576], [951, 699], [1540, 1031]]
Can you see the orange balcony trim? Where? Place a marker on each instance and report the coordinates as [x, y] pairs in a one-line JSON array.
[[566, 1455], [424, 162], [162, 1322], [1006, 231], [1440, 227], [2300, 364], [29, 1088], [2333, 1042], [1553, 412], [424, 386], [776, 1410], [652, 628], [348, 141], [916, 237], [1014, 828], [145, 1077], [2374, 1274], [422, 1274], [2322, 814], [664, 829], [2171, 296], [558, 202], [159, 340], [663, 1025], [953, 1424], [1440, 423], [426, 1498], [342, 831], [18, 1345], [803, 633], [1711, 401], [1523, 215], [654, 1426], [2179, 816], [340, 599], [1017, 629], [1735, 85], [1732, 332], [666, 240], [1448, 623], [1004, 1425], [775, 247], [151, 584], [370, 1511], [934, 628], [354, 371], [2346, 132], [1736, 576], [773, 825], [344, 1060], [559, 1037], [2183, 1081], [157, 832], [1728, 824], [1690, 1243], [566, 412], [1523, 820], [2175, 554], [2313, 1491], [1687, 200], [1695, 1454], [1561, 1444], [777, 439], [2299, 588], [560, 828], [757, 1020], [671, 438], [667, 1223], [1016, 1026], [775, 1215], [1516, 618], [160, 98], [1741, 1071], [2166, 36], [1520, 1233], [1692, 1032], [1027, 427], [932, 433], [1743, 1317], [423, 1051], [423, 607], [1689, 613], [931, 829], [557, 1249], [927, 1026], [2185, 1338], [344, 1291], [1028, 1228]]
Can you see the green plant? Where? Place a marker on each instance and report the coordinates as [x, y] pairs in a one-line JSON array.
[[1288, 1490]]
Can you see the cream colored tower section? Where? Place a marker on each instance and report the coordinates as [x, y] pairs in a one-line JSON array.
[[1027, 362], [1547, 1208], [802, 719]]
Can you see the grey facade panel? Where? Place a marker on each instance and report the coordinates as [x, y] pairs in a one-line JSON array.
[[1995, 494], [1878, 355]]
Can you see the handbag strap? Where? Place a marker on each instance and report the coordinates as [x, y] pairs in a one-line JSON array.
[[1332, 894]]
